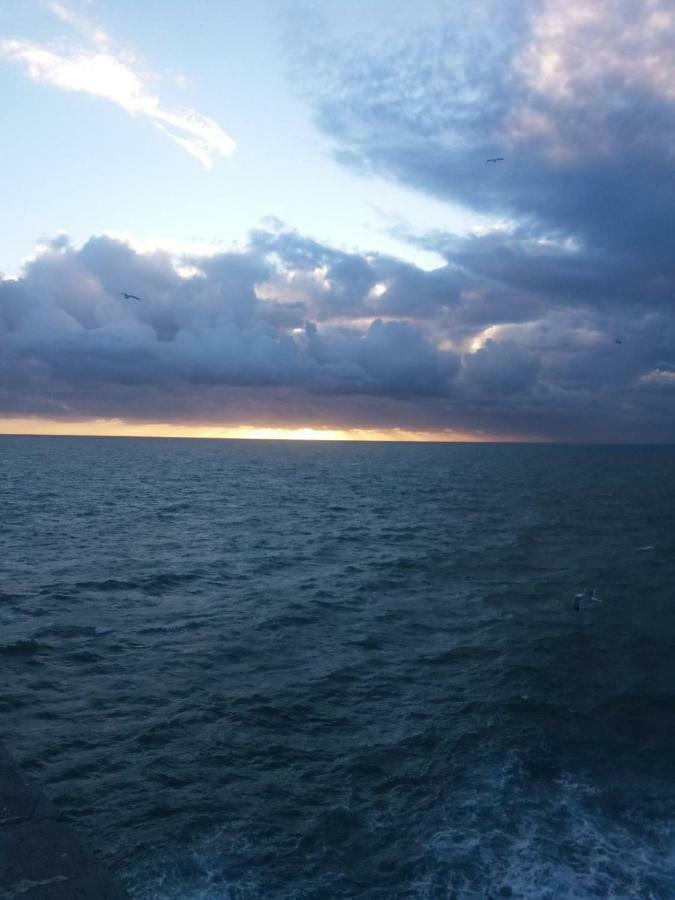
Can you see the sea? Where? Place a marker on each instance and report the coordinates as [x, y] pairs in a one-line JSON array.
[[315, 670]]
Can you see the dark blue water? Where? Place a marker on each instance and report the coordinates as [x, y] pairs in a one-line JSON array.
[[270, 670]]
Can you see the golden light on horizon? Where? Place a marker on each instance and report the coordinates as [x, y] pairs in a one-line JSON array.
[[123, 428]]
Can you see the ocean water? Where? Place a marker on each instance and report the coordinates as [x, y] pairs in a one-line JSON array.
[[291, 670]]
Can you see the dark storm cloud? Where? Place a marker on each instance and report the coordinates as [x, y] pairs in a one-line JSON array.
[[578, 97], [351, 283], [501, 368], [289, 330], [391, 357], [66, 330]]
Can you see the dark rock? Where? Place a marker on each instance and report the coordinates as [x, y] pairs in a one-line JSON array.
[[41, 857]]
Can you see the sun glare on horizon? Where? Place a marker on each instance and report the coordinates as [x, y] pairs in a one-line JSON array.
[[122, 428]]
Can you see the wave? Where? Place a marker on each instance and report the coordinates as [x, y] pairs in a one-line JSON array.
[[65, 631], [151, 584], [508, 836], [24, 647], [518, 836]]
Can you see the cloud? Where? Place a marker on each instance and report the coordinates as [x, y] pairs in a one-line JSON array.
[[78, 20], [594, 60], [99, 70], [66, 319], [291, 331], [579, 100], [501, 367]]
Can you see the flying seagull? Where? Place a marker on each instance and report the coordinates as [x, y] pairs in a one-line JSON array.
[[586, 594], [129, 296], [617, 341], [495, 159]]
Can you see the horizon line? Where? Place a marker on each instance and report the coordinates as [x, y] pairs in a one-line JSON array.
[[116, 427], [557, 442]]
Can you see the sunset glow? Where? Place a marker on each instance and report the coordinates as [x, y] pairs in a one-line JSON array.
[[120, 428]]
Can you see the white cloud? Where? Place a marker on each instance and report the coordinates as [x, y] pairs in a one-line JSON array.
[[581, 61], [102, 72], [577, 45], [79, 21]]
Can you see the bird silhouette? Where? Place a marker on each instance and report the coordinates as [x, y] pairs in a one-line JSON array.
[[129, 296], [586, 594], [495, 159]]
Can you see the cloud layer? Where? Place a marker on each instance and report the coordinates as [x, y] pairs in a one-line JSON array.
[[290, 331]]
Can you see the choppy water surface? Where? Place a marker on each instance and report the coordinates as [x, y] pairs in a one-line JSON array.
[[268, 670]]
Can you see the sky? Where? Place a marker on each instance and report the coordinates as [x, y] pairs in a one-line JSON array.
[[299, 194]]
